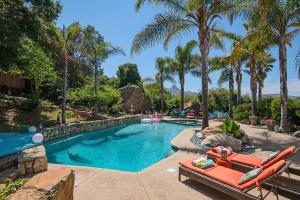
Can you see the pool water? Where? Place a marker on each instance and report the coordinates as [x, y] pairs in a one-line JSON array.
[[130, 147]]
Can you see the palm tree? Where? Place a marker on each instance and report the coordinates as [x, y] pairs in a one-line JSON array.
[[297, 60], [183, 17], [284, 19], [184, 62], [264, 65], [98, 51], [64, 37], [163, 74]]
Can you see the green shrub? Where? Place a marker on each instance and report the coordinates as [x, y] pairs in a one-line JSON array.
[[11, 187], [241, 112], [264, 108], [229, 127], [31, 104]]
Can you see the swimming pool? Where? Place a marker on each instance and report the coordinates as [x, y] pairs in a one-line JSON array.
[[130, 147]]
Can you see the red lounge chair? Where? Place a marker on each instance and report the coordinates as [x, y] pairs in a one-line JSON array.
[[225, 179], [245, 163]]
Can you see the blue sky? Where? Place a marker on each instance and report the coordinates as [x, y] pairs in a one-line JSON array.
[[118, 22]]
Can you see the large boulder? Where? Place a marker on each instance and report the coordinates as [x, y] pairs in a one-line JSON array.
[[297, 134], [196, 106], [211, 131], [133, 95], [213, 141]]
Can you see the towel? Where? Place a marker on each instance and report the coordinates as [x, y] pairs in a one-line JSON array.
[[227, 149], [198, 161], [203, 163]]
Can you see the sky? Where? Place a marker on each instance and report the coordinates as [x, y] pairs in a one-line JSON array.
[[118, 22]]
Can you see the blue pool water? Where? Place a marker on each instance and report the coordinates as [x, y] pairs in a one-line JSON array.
[[131, 147]]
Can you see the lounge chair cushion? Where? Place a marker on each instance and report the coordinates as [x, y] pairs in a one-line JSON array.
[[226, 175], [269, 157], [268, 172], [247, 160], [214, 153], [250, 175], [282, 156], [188, 164]]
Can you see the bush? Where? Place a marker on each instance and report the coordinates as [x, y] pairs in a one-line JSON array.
[[241, 112], [293, 111], [106, 97], [11, 187], [31, 104], [229, 127], [264, 108]]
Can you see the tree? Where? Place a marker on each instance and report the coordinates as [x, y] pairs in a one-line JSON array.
[[184, 62], [284, 19], [128, 74], [97, 51], [23, 18], [264, 65], [297, 60], [63, 37], [183, 17], [163, 74], [34, 64]]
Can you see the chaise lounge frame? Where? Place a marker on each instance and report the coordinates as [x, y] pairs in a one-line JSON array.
[[229, 190]]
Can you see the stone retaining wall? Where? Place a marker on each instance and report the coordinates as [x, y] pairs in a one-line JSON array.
[[65, 130]]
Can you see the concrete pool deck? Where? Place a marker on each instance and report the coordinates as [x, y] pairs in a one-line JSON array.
[[157, 183]]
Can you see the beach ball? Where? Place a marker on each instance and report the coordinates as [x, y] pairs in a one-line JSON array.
[[37, 138], [32, 129]]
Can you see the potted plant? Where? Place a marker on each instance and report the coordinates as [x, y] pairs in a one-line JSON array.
[[270, 124], [253, 120]]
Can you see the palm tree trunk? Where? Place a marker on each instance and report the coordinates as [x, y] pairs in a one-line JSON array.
[[283, 85], [64, 99], [231, 90], [259, 92], [239, 83], [182, 92], [204, 48], [253, 84], [161, 96], [96, 88]]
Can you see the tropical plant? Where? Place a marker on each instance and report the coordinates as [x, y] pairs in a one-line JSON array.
[[184, 62], [11, 187], [128, 74], [64, 37], [97, 51], [163, 74], [282, 24], [183, 17], [229, 127], [297, 60], [264, 66]]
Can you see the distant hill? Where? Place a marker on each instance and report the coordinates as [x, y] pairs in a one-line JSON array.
[[176, 91], [278, 95]]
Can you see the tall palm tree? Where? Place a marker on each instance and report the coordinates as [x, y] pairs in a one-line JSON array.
[[64, 37], [284, 19], [163, 74], [264, 66], [184, 62], [297, 60], [183, 17]]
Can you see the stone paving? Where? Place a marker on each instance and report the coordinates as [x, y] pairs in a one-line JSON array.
[[157, 183]]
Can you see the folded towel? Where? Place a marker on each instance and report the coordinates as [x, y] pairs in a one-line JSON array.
[[199, 160], [207, 164], [219, 149]]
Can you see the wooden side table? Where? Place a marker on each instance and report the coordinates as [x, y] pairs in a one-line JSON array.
[[224, 163]]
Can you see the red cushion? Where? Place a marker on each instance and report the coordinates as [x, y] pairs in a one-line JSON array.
[[252, 161], [282, 156], [265, 174], [188, 164], [226, 175]]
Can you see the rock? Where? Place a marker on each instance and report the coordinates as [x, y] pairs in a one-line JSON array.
[[133, 95], [245, 138], [26, 194], [6, 103], [197, 138], [213, 141], [297, 134], [32, 161], [19, 101], [211, 131], [196, 106]]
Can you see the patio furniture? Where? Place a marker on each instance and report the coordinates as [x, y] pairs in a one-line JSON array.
[[182, 114], [245, 163], [225, 179], [174, 113]]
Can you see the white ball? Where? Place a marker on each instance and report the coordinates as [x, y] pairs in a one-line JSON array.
[[37, 138], [32, 129]]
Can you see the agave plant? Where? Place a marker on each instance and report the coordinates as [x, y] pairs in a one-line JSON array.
[[229, 127]]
